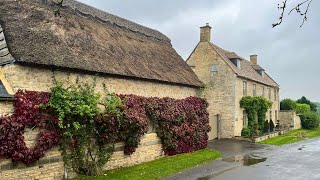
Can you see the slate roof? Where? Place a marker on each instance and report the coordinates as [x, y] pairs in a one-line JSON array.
[[248, 70], [85, 38]]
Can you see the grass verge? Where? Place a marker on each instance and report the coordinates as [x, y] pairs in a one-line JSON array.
[[160, 167], [291, 137]]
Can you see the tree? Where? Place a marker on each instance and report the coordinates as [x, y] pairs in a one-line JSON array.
[[304, 4], [304, 100], [288, 104], [302, 108]]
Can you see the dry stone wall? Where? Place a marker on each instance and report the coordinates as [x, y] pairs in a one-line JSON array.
[[289, 119]]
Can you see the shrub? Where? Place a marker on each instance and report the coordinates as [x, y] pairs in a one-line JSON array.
[[266, 126], [288, 104], [302, 108], [246, 132], [271, 124], [310, 120]]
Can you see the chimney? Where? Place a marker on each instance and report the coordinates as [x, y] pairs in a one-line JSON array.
[[254, 59], [205, 33]]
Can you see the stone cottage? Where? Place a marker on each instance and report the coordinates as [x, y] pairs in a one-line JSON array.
[[90, 45], [229, 77]]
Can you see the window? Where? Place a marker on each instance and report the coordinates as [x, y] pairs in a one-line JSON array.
[[214, 68], [270, 115], [236, 62], [275, 95], [254, 90], [262, 90], [244, 88], [269, 93], [245, 119]]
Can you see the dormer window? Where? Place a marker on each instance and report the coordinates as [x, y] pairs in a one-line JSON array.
[[261, 72], [259, 69], [236, 62]]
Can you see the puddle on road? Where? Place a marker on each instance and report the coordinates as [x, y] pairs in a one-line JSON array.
[[246, 160]]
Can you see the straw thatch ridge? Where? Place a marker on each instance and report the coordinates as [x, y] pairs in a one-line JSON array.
[[88, 39]]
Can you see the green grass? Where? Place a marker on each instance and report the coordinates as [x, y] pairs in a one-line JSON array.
[[291, 137], [161, 167]]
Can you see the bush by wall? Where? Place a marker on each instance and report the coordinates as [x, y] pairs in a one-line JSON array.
[[310, 120], [288, 104], [182, 125]]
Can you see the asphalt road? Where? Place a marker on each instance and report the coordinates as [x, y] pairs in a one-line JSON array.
[[246, 161]]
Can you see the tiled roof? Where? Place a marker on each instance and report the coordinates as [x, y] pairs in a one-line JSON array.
[[248, 70]]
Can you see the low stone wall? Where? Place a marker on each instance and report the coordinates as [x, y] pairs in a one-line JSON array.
[[289, 119], [52, 166]]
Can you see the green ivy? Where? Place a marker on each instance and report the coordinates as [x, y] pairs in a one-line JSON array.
[[256, 108], [81, 145]]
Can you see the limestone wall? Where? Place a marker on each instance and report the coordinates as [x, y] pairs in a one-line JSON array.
[[52, 166], [220, 88], [289, 119], [41, 79]]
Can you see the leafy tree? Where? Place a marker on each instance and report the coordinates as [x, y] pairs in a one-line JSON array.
[[304, 100], [288, 104], [302, 108]]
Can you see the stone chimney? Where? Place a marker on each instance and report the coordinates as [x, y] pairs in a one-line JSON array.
[[205, 33], [254, 59]]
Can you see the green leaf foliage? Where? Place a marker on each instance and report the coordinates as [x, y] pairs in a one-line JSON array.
[[302, 108], [256, 109], [288, 104], [310, 120], [304, 100]]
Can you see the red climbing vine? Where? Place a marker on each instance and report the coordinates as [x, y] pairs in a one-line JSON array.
[[29, 112]]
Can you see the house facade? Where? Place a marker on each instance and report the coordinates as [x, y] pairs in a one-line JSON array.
[[227, 78]]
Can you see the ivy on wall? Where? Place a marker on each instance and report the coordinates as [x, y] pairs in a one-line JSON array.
[[256, 109], [87, 134]]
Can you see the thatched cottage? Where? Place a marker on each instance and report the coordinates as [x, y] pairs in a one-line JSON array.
[[86, 42], [228, 78]]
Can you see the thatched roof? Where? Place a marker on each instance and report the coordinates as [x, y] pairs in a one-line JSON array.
[[248, 70], [88, 39]]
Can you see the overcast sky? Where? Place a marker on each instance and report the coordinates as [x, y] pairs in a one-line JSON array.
[[290, 54]]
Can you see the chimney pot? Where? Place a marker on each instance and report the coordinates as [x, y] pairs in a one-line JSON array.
[[254, 59], [205, 33]]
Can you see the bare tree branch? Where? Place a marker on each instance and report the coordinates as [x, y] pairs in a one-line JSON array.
[[297, 8]]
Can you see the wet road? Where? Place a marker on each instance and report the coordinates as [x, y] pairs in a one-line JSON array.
[[246, 161]]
